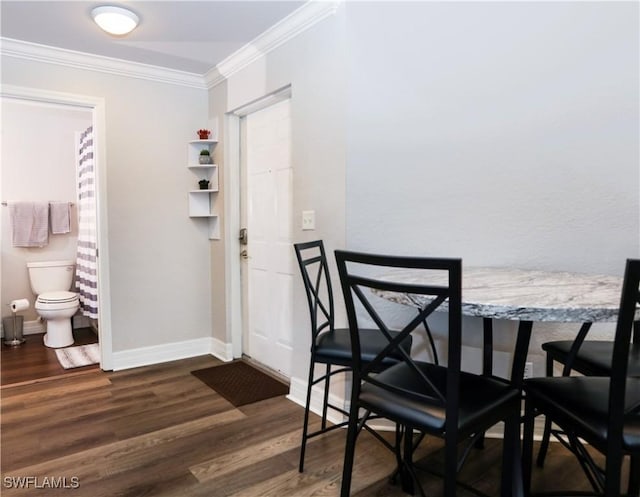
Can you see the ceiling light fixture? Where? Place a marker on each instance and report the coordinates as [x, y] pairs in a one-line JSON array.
[[115, 20]]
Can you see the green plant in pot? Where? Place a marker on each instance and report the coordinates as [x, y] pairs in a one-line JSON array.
[[205, 157], [204, 184]]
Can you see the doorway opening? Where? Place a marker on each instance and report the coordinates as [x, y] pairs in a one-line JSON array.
[[94, 109]]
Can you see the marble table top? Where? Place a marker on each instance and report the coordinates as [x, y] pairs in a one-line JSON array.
[[526, 295]]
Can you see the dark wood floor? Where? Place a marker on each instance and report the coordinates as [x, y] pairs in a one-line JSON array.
[[159, 431], [32, 361]]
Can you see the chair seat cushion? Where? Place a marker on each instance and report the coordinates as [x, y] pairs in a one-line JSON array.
[[334, 347], [583, 402], [594, 356], [483, 402]]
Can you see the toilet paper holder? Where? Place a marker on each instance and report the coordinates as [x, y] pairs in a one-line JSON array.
[[15, 323]]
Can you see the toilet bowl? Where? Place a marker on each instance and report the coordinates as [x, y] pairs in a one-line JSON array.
[[51, 280], [57, 309]]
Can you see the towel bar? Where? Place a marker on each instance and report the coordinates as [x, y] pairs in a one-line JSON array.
[[4, 202]]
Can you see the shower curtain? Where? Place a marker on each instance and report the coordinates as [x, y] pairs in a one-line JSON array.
[[86, 262]]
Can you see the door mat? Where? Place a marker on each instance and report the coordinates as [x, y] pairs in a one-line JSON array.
[[76, 357], [241, 383]]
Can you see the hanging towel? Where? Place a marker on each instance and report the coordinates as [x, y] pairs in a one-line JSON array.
[[60, 215], [29, 223]]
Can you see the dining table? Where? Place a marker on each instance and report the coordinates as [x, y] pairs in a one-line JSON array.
[[526, 296]]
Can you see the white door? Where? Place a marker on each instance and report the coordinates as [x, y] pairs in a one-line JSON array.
[[267, 268]]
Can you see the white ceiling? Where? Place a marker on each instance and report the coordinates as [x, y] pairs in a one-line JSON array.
[[190, 36]]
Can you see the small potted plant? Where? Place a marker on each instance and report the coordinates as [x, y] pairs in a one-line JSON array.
[[204, 184], [205, 157], [203, 134]]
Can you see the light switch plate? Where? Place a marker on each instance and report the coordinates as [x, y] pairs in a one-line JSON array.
[[308, 220], [528, 370]]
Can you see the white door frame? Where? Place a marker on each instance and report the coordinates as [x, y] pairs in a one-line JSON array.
[[232, 211], [97, 106]]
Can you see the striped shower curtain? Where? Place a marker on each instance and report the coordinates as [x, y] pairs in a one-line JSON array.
[[86, 263]]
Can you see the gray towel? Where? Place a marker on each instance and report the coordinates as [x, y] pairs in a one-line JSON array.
[[60, 215], [29, 223]]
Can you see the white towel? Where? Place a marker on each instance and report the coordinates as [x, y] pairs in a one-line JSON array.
[[60, 217], [29, 223]]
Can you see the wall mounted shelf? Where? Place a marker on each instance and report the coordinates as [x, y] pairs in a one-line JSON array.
[[202, 203]]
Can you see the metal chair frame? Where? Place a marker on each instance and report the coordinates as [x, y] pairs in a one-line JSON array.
[[604, 480], [317, 282], [443, 394]]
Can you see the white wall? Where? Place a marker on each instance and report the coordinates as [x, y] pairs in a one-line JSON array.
[[502, 132], [38, 164], [505, 133], [159, 267]]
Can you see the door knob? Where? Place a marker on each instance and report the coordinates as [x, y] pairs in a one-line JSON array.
[[244, 254]]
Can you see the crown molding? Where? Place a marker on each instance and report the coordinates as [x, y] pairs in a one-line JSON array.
[[295, 23], [80, 60]]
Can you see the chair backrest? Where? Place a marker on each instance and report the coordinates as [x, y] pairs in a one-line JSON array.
[[629, 302], [317, 284], [433, 283]]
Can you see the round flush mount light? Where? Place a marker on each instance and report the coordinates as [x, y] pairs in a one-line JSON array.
[[115, 20]]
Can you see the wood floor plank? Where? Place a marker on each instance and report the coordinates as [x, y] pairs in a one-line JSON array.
[[324, 480], [32, 361], [248, 456], [117, 457], [158, 431]]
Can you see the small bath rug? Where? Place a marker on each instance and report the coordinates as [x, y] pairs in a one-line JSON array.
[[76, 357], [241, 383]]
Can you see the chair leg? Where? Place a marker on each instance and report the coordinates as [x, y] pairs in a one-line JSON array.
[[511, 457], [527, 446], [350, 448], [305, 423], [613, 472], [450, 465], [546, 434], [407, 474], [397, 450], [634, 476], [325, 400], [544, 443]]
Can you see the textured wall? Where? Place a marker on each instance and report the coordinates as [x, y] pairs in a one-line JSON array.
[[503, 133]]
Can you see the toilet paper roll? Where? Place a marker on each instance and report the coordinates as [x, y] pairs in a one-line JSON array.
[[19, 305]]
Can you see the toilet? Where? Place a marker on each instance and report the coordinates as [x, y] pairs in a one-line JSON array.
[[51, 281]]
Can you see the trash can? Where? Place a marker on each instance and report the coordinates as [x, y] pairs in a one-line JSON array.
[[13, 327]]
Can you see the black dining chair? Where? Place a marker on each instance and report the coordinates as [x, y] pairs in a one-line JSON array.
[[331, 346], [422, 397], [603, 411], [587, 357]]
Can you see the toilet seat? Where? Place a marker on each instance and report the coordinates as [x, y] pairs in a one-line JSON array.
[[57, 300]]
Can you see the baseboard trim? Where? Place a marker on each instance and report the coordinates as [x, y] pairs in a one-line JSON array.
[[31, 328], [37, 326], [221, 350], [156, 354], [298, 394]]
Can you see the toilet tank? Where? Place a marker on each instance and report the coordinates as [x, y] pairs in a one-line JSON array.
[[50, 276]]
